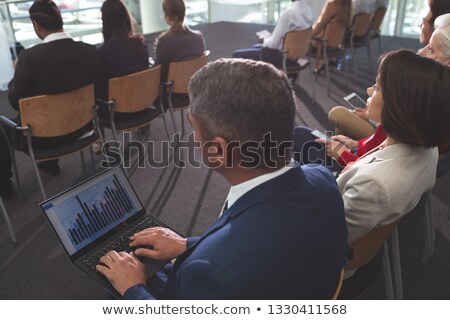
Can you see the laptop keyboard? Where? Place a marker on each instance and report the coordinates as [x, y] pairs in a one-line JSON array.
[[120, 243]]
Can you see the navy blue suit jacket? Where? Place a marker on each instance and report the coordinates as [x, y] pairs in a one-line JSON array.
[[285, 239]]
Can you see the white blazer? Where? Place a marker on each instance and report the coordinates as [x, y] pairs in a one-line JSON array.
[[383, 186]]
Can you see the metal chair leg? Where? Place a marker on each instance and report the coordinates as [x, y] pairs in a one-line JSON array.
[[327, 71], [369, 56], [183, 131], [396, 265], [387, 273], [312, 79], [83, 162], [8, 222], [379, 45], [16, 173], [352, 52], [91, 153], [33, 160]]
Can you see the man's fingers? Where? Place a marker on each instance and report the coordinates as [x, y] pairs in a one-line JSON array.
[[147, 253], [103, 270]]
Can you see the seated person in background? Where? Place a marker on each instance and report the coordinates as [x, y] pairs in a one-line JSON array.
[[282, 233], [437, 8], [59, 64], [385, 184], [298, 16], [179, 43], [364, 6], [356, 124], [122, 53], [333, 12], [382, 4]]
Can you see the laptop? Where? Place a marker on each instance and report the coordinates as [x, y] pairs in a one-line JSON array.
[[96, 216]]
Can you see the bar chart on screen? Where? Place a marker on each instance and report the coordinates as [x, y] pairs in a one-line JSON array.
[[93, 212]]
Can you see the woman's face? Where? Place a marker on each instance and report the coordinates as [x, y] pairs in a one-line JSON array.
[[434, 50], [425, 35], [375, 102]]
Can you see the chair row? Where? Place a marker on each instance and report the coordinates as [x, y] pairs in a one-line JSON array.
[[137, 97], [333, 44]]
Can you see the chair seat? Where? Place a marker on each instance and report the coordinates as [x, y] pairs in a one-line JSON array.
[[125, 121], [363, 277], [180, 101], [66, 148], [331, 52], [296, 68]]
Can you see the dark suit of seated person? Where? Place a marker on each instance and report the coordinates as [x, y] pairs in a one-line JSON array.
[[57, 65], [122, 52], [179, 43], [282, 233]]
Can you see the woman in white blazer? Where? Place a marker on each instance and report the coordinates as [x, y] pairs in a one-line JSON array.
[[410, 99]]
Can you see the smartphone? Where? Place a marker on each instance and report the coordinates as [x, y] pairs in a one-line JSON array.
[[321, 135], [355, 101]]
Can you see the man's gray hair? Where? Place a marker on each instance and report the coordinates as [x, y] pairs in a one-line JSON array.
[[242, 100], [442, 30]]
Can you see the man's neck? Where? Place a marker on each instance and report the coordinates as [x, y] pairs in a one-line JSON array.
[[49, 32], [240, 175]]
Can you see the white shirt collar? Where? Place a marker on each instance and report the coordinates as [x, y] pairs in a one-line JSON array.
[[239, 190], [56, 36]]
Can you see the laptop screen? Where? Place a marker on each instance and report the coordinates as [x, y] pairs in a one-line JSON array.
[[91, 209]]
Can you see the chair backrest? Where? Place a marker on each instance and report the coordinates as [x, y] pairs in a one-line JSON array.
[[361, 24], [365, 248], [378, 17], [135, 92], [335, 32], [180, 73], [58, 114], [297, 43]]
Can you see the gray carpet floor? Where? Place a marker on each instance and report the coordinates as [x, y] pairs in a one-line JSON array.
[[190, 199]]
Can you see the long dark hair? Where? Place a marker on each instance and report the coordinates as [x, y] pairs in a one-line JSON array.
[[116, 20], [416, 93], [437, 8], [175, 10], [46, 13]]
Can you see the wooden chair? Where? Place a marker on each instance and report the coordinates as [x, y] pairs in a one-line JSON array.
[[330, 45], [180, 73], [133, 96], [339, 286], [296, 46], [368, 253], [8, 222], [57, 115], [360, 37], [375, 27]]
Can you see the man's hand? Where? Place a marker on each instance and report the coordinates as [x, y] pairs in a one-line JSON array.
[[166, 243], [362, 113], [123, 270]]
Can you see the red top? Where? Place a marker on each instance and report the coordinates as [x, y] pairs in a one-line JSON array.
[[365, 145]]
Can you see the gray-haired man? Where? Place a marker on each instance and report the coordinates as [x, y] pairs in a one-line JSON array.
[[282, 234]]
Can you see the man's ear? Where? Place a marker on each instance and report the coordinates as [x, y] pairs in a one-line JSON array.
[[215, 152]]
